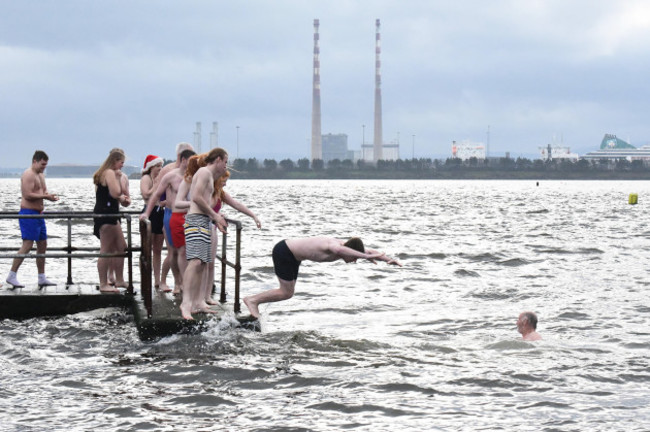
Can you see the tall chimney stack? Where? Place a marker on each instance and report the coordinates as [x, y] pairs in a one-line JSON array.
[[316, 143], [377, 147], [197, 137]]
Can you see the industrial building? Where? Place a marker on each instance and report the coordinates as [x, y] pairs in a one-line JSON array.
[[614, 148], [466, 150]]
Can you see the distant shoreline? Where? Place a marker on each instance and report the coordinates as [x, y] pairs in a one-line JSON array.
[[433, 175]]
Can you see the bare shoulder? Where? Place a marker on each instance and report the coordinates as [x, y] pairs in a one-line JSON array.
[[28, 175]]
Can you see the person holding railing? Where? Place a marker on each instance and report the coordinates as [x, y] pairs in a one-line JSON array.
[[33, 191], [198, 231], [219, 197], [109, 195], [148, 184], [169, 185]]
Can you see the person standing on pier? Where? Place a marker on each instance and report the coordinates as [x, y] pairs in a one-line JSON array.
[[198, 231], [171, 258], [288, 254], [109, 194], [148, 184], [219, 197], [168, 186], [33, 191]]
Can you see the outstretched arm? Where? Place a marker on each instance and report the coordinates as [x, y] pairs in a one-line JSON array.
[[382, 257], [337, 247], [241, 208]]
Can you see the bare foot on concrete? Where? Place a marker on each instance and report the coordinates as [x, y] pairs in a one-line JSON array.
[[252, 307], [108, 289], [211, 302], [186, 311], [164, 288]]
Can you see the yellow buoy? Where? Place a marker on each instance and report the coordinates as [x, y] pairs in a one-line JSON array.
[[633, 198]]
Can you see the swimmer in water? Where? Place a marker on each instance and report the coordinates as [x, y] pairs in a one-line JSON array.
[[527, 326]]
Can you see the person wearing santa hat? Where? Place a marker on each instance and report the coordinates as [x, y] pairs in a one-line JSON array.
[[148, 184]]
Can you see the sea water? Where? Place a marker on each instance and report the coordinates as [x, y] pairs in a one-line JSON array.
[[429, 346]]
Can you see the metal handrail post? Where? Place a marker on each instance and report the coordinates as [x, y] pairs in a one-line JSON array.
[[224, 261], [146, 266], [129, 254], [237, 307], [69, 281]]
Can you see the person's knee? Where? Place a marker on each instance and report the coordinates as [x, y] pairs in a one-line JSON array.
[[26, 246], [287, 290], [41, 246]]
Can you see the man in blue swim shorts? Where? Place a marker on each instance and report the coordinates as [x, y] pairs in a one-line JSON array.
[[288, 254], [33, 191]]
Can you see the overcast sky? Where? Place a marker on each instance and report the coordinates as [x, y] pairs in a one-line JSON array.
[[80, 77]]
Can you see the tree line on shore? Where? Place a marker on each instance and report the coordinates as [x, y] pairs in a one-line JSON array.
[[442, 168]]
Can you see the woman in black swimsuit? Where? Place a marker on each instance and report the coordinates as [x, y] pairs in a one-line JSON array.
[[108, 197]]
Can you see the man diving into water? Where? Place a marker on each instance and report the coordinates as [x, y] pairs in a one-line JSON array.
[[288, 254]]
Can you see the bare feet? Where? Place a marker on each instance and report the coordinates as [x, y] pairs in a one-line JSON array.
[[178, 289], [121, 284], [108, 289], [203, 309], [252, 307], [211, 302], [186, 312], [164, 288]]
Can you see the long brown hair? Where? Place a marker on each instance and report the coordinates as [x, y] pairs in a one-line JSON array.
[[220, 183], [199, 161], [115, 155], [193, 164]]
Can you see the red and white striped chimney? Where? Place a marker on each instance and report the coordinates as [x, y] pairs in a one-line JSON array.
[[316, 139], [377, 147]]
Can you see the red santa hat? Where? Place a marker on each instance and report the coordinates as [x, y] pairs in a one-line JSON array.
[[151, 161]]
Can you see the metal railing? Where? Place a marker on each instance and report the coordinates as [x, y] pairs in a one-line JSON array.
[[73, 251], [145, 249], [236, 265]]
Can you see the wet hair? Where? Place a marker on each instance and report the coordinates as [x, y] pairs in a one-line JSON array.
[[115, 155], [356, 244], [186, 154], [531, 319], [214, 154], [40, 155]]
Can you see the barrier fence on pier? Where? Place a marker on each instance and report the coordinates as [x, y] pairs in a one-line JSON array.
[[72, 252]]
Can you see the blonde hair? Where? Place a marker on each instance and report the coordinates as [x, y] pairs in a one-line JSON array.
[[115, 155]]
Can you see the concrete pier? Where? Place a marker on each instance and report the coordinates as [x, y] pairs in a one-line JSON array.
[[165, 320]]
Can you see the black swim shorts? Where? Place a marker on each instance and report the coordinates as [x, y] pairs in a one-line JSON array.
[[156, 217], [286, 265]]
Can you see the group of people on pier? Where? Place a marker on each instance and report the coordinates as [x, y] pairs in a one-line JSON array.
[[182, 201]]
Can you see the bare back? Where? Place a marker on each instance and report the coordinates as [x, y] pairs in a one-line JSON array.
[[319, 249]]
